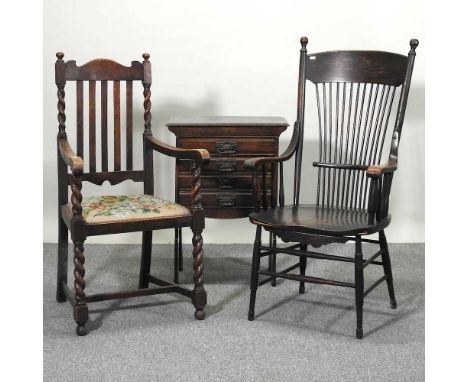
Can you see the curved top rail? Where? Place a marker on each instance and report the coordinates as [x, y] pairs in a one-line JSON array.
[[357, 66], [102, 70]]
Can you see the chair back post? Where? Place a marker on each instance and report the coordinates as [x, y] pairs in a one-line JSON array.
[[400, 116], [300, 119], [62, 174], [60, 82], [148, 151]]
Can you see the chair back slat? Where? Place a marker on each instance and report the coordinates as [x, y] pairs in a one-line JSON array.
[[104, 150], [129, 125], [92, 126], [117, 153], [79, 119], [98, 74]]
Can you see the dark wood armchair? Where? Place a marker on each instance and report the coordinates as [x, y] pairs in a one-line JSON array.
[[118, 213], [355, 92]]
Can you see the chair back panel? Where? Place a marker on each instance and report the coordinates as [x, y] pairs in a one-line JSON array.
[[352, 120], [355, 93], [108, 76]]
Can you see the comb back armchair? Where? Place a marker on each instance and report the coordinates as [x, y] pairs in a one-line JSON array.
[[110, 214], [355, 92]]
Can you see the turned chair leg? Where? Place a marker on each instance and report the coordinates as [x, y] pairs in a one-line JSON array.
[[272, 258], [254, 274], [62, 260], [359, 286], [80, 309], [199, 294], [387, 268], [145, 265], [302, 268]]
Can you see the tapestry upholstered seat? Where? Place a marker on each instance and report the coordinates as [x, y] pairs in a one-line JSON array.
[[115, 208]]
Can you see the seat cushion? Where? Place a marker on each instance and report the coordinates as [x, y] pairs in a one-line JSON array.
[[117, 208], [309, 218]]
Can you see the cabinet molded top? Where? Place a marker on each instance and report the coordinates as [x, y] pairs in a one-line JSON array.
[[237, 121]]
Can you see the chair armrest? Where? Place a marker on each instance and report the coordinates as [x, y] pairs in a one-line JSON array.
[[199, 155], [341, 166], [71, 159], [377, 171], [254, 163]]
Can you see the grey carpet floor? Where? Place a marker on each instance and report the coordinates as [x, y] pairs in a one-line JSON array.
[[294, 337]]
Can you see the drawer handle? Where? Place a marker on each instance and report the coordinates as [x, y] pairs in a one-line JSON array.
[[226, 183], [226, 147], [227, 166], [226, 201]]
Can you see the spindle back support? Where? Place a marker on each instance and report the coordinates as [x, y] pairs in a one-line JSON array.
[[109, 76], [355, 93]]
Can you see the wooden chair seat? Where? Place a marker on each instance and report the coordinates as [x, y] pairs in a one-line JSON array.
[[122, 208], [316, 219]]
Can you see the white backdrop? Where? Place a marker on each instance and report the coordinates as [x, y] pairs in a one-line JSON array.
[[230, 58]]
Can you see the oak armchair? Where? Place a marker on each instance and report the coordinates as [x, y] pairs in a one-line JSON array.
[[110, 214]]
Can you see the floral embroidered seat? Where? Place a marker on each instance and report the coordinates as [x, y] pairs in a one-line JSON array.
[[116, 208]]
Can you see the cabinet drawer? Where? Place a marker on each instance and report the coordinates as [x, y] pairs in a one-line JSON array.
[[222, 182], [230, 145], [221, 199], [221, 166]]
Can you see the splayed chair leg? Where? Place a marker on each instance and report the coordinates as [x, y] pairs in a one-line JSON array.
[[272, 258], [359, 283], [302, 268], [254, 274], [387, 268]]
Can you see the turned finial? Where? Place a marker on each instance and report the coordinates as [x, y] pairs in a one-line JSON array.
[[414, 44], [59, 55], [146, 56], [304, 42]]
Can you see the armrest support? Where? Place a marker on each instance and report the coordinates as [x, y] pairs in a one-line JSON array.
[[76, 165], [198, 155], [254, 163], [71, 159], [379, 194]]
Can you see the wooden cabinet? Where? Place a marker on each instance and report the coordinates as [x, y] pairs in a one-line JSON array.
[[227, 190]]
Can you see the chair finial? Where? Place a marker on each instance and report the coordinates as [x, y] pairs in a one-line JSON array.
[[59, 55], [304, 42], [414, 44], [146, 56]]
